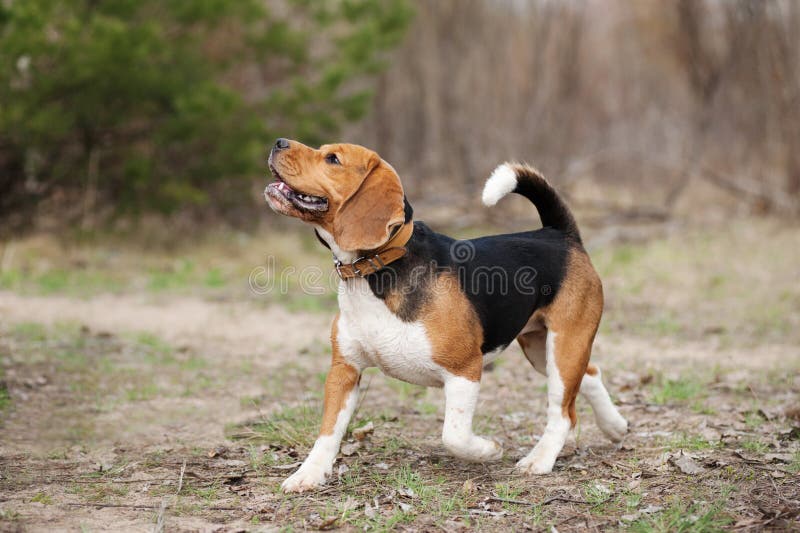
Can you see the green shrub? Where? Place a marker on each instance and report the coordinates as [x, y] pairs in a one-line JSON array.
[[159, 104]]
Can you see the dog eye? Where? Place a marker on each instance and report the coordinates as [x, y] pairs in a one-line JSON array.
[[331, 159]]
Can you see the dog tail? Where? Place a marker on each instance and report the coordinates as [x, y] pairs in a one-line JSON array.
[[527, 181]]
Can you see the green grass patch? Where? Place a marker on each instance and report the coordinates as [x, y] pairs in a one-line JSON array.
[[681, 517], [596, 493], [794, 466], [154, 349], [291, 426], [5, 397], [753, 420], [702, 408], [677, 390], [662, 324], [507, 491], [43, 498], [755, 446], [146, 391], [60, 281], [630, 499], [690, 443], [30, 331], [391, 446], [9, 515]]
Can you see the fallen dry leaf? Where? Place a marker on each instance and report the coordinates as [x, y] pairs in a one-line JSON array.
[[362, 432], [686, 463], [350, 448], [219, 451]]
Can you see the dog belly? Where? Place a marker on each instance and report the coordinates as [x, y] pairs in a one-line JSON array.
[[369, 334]]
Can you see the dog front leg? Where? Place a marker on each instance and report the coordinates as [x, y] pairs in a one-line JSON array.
[[461, 397], [341, 394]]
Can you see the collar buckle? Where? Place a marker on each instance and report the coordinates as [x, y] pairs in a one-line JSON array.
[[338, 266], [356, 270]]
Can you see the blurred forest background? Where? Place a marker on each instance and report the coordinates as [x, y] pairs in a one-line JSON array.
[[113, 109]]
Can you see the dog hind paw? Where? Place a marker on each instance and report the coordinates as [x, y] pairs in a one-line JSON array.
[[306, 478], [534, 466], [615, 429], [539, 461]]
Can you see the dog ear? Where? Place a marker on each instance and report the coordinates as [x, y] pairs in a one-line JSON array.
[[365, 220]]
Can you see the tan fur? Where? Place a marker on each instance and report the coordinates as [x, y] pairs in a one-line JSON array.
[[341, 380], [393, 300], [453, 329], [353, 189], [533, 346]]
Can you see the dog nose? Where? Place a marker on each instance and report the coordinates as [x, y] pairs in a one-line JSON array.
[[282, 144]]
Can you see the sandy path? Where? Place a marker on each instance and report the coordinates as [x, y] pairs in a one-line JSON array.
[[244, 329], [234, 335], [233, 328]]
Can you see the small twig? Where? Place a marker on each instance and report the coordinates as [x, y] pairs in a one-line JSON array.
[[506, 500], [180, 479], [560, 498], [583, 515], [569, 519], [144, 507], [755, 396], [56, 480], [777, 492]]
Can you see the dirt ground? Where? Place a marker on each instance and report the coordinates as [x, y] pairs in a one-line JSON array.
[[180, 401]]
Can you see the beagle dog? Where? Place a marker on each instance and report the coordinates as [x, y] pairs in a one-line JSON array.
[[432, 310]]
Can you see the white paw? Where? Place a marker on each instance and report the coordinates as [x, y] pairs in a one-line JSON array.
[[615, 429], [476, 449], [539, 461], [533, 467], [307, 477], [491, 450]]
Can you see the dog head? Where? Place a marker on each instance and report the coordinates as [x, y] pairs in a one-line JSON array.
[[345, 189]]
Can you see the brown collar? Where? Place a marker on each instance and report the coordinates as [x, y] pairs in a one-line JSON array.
[[372, 262]]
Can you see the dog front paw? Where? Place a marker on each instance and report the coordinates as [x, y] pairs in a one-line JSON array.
[[307, 477], [476, 449], [493, 451]]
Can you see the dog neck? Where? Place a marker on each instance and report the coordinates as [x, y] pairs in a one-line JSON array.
[[364, 263]]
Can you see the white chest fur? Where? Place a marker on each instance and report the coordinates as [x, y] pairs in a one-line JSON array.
[[369, 334]]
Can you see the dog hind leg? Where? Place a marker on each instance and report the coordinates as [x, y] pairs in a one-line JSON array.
[[567, 355], [610, 422]]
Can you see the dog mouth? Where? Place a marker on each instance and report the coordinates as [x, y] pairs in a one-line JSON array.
[[281, 192]]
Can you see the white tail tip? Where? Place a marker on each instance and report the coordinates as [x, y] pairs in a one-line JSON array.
[[502, 181]]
